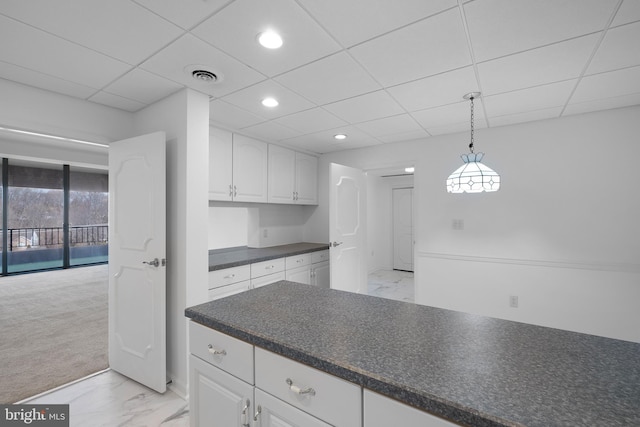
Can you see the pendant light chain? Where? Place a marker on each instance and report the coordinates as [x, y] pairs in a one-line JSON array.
[[471, 144]]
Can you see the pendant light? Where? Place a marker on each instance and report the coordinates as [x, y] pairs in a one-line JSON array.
[[473, 176]]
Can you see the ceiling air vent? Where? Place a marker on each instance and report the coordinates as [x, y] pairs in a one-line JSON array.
[[204, 76]]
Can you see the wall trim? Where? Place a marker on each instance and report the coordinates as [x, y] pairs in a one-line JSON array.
[[575, 265]]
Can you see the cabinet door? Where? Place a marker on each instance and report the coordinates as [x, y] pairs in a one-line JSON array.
[[321, 275], [380, 411], [300, 275], [249, 170], [216, 398], [273, 412], [282, 162], [306, 179], [220, 165]]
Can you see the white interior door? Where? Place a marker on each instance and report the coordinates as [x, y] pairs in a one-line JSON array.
[[347, 224], [137, 251], [402, 228]]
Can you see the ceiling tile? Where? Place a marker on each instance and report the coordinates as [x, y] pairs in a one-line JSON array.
[[529, 116], [428, 47], [404, 136], [270, 131], [441, 89], [402, 123], [108, 27], [184, 13], [355, 21], [56, 57], [556, 62], [619, 49], [323, 142], [174, 61], [628, 12], [367, 107], [531, 99], [116, 101], [143, 86], [607, 85], [310, 121], [250, 99], [231, 116], [329, 79], [502, 27], [235, 29], [43, 81], [449, 115], [602, 104]]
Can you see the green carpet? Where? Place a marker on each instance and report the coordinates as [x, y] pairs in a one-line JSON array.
[[53, 329]]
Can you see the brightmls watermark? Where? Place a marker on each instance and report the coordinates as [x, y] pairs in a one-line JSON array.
[[34, 415]]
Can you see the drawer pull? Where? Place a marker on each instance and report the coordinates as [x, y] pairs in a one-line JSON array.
[[258, 412], [216, 352], [294, 388], [270, 267], [230, 276], [245, 420]]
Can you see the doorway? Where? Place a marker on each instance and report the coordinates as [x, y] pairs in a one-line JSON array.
[[402, 201]]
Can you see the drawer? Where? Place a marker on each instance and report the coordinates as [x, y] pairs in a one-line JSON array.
[[220, 350], [319, 256], [228, 290], [228, 276], [297, 261], [267, 267], [329, 398], [267, 280]]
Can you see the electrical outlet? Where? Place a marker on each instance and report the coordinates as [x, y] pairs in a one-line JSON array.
[[457, 224], [513, 301], [265, 233]]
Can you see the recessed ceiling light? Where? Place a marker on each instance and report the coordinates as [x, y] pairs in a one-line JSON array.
[[410, 169], [270, 39], [340, 136], [270, 102]]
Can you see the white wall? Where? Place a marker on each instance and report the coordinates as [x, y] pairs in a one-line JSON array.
[[244, 224], [184, 117], [561, 234], [27, 108]]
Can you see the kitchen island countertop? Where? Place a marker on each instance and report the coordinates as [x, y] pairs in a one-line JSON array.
[[470, 369], [243, 255]]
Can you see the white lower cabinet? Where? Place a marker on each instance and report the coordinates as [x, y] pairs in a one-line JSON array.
[[272, 412], [216, 398], [300, 275], [321, 274], [380, 411]]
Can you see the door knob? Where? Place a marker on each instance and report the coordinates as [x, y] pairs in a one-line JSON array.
[[155, 262], [334, 244]]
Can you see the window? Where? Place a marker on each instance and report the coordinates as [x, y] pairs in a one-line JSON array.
[[55, 216]]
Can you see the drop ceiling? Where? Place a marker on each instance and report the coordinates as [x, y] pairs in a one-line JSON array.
[[379, 71]]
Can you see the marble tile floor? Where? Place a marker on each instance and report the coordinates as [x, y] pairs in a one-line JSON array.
[[109, 399], [392, 284]]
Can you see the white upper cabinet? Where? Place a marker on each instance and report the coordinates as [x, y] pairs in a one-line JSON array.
[[306, 179], [220, 165], [293, 177], [237, 167], [282, 172], [249, 169]]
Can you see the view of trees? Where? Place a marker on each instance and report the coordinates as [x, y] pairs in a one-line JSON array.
[[42, 208]]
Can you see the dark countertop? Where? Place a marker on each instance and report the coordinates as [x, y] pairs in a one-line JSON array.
[[243, 255], [470, 369]]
